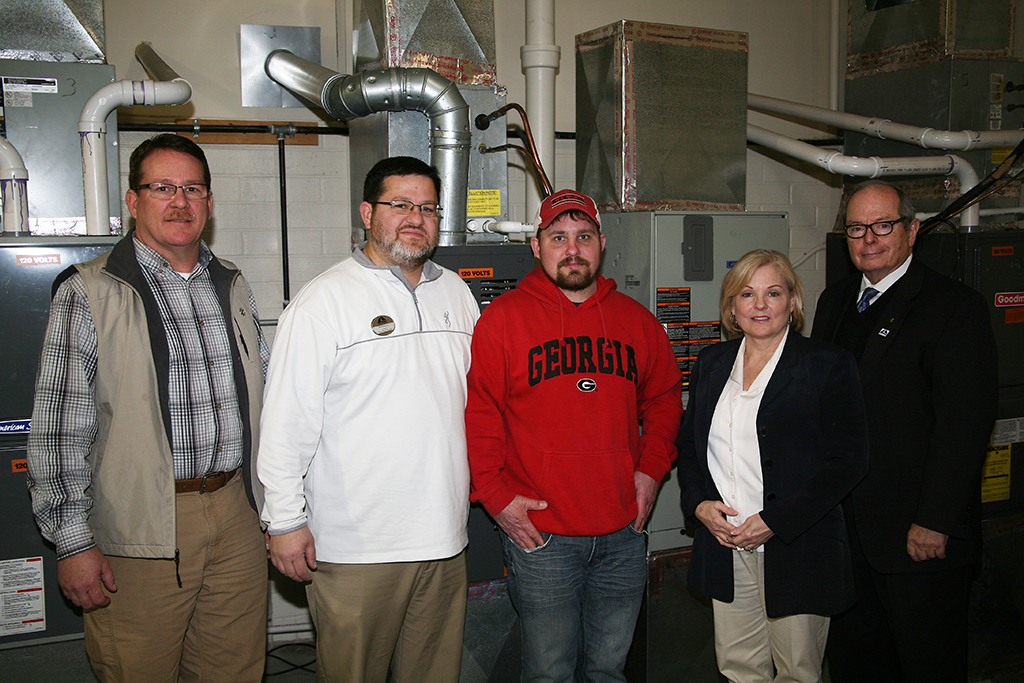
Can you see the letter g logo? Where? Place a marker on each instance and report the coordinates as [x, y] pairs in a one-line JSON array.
[[586, 384]]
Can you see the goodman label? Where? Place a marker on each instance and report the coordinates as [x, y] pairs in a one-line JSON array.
[[1008, 299]]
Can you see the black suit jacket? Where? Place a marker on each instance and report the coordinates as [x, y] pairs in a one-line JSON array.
[[929, 377], [812, 437]]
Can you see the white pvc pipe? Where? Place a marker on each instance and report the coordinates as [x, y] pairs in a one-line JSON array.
[[874, 167], [1003, 211], [836, 53], [540, 58], [929, 138], [13, 189], [92, 127]]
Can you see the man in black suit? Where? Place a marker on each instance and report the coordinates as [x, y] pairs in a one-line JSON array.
[[927, 361]]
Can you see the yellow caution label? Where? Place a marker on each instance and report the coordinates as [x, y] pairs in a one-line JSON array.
[[484, 203], [995, 477]]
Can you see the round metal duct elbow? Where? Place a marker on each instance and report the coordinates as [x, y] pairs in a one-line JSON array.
[[395, 89]]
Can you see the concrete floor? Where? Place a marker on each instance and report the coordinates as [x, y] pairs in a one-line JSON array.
[[491, 650]]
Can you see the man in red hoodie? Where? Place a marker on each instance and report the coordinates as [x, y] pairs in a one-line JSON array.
[[564, 369]]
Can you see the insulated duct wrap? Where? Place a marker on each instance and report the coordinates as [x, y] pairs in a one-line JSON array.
[[661, 115], [454, 38]]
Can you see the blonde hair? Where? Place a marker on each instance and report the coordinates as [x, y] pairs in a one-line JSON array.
[[739, 277]]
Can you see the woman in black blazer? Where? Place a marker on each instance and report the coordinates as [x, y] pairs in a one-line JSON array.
[[773, 438]]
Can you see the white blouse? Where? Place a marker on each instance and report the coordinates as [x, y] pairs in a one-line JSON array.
[[734, 457]]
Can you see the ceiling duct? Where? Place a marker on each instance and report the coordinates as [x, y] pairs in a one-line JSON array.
[[53, 31]]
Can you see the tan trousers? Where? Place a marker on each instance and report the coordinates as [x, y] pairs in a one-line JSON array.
[[211, 629], [747, 641], [408, 616]]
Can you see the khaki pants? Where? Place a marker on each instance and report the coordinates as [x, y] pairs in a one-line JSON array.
[[214, 627], [747, 641], [408, 616]]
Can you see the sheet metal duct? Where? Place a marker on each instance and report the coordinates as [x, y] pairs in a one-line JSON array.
[[455, 38], [661, 115], [53, 30], [395, 89]]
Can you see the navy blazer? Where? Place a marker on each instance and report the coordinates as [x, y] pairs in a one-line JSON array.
[[929, 377], [813, 440]]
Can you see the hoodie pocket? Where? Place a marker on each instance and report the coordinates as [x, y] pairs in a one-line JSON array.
[[589, 492]]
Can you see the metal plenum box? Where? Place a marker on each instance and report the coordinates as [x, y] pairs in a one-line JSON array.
[[886, 36], [661, 117]]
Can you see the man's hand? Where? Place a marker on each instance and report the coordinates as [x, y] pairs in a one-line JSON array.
[[293, 553], [925, 544], [646, 492], [83, 576], [514, 520]]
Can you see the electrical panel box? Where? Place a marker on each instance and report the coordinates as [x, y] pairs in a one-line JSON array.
[[673, 263]]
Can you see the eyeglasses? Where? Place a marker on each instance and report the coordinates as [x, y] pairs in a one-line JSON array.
[[403, 208], [881, 228], [166, 190]]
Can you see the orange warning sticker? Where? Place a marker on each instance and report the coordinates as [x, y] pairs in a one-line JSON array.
[[1002, 251], [469, 273], [1014, 315], [19, 465]]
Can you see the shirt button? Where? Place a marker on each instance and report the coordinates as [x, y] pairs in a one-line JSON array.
[[211, 363]]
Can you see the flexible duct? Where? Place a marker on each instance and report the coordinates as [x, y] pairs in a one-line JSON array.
[[92, 128], [874, 167], [13, 190], [395, 89]]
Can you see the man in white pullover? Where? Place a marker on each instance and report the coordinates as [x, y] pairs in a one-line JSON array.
[[363, 446]]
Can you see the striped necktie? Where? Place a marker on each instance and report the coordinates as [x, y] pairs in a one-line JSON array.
[[865, 299]]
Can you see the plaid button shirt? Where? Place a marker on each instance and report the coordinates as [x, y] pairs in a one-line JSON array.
[[206, 425]]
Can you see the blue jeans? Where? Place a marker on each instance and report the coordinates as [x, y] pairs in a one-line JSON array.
[[578, 598]]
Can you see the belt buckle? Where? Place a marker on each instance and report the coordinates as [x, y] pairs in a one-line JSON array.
[[206, 478]]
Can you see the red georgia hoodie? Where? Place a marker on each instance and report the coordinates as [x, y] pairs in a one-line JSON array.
[[556, 393]]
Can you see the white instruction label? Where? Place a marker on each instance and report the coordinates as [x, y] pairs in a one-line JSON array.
[[22, 597]]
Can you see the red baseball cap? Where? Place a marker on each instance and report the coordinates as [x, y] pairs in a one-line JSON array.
[[566, 200]]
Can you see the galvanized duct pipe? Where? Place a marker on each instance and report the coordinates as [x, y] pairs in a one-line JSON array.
[[92, 127], [928, 138], [13, 189], [395, 89], [874, 167]]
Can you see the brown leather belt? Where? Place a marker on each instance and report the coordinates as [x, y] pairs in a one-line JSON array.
[[207, 484]]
